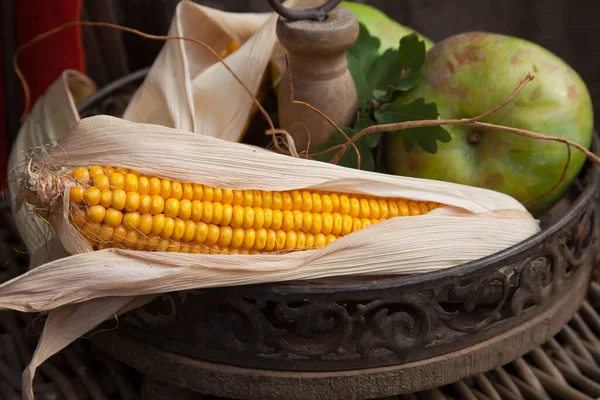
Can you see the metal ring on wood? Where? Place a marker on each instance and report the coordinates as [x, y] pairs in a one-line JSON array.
[[316, 14]]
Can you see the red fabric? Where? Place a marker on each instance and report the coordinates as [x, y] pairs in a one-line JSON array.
[[43, 63]]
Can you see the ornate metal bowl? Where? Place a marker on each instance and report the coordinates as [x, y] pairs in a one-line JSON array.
[[367, 338]]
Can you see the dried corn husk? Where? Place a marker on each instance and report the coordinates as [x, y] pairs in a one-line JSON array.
[[186, 78], [475, 223], [49, 121]]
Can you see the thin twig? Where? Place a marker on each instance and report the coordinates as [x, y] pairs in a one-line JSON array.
[[321, 113], [67, 25]]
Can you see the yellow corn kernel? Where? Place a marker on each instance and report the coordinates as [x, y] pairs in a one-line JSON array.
[[168, 228], [227, 214], [217, 195], [92, 196], [208, 193], [307, 201], [326, 204], [320, 240], [179, 229], [267, 199], [95, 171], [106, 233], [317, 203], [172, 207], [238, 198], [225, 236], [176, 190], [277, 201], [365, 209], [106, 198], [330, 238], [145, 204], [213, 235], [152, 242], [154, 186], [249, 238], [165, 188], [309, 242], [207, 211], [77, 193], [248, 198], [280, 237], [271, 240], [335, 203], [296, 200], [132, 201], [403, 209], [393, 210], [423, 208], [131, 238], [190, 231], [260, 240], [277, 220], [197, 210], [113, 217], [354, 207], [187, 192], [185, 209], [347, 224], [143, 185], [344, 205], [96, 213], [117, 180], [119, 234], [227, 196], [337, 224], [163, 245], [131, 183], [217, 216], [287, 223], [307, 221], [81, 175], [158, 222], [237, 239], [102, 182], [201, 232], [131, 220], [259, 218], [198, 191], [286, 202], [145, 225], [118, 199], [298, 220], [157, 205], [317, 224], [327, 225]]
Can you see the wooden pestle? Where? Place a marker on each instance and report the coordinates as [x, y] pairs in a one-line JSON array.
[[319, 69]]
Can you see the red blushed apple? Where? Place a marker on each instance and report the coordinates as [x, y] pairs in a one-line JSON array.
[[471, 73]]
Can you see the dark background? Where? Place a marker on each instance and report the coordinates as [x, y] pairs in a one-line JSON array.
[[569, 28]]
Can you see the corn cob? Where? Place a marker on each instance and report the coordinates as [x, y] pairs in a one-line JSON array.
[[116, 207]]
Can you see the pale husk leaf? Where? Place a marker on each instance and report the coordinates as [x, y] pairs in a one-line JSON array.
[[189, 89], [48, 122]]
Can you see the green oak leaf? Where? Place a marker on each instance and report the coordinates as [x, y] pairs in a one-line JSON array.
[[382, 76], [427, 137], [365, 146]]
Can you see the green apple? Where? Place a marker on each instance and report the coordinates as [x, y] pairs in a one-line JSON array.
[[381, 26], [471, 73]]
